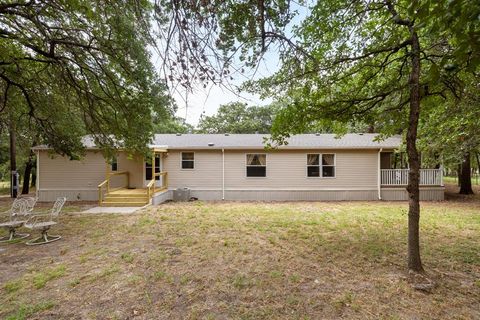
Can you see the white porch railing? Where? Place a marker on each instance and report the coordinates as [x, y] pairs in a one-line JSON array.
[[396, 177]]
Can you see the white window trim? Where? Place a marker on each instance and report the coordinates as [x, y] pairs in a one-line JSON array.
[[320, 165], [266, 164], [181, 161]]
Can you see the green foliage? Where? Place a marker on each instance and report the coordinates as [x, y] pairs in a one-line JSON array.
[[237, 117], [171, 125], [451, 128], [71, 68]]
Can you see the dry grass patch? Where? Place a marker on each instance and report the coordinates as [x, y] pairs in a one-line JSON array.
[[205, 260]]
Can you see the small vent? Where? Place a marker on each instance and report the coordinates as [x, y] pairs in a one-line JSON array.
[[178, 134], [360, 134], [227, 134], [317, 134], [211, 144]]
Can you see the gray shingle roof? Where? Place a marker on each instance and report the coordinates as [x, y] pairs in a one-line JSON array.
[[257, 141]]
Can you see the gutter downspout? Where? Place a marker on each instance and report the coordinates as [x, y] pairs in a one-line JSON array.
[[379, 176], [223, 174]]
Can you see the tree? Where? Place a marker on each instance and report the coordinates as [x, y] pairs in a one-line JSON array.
[[237, 117], [451, 131], [172, 125], [81, 67], [465, 175], [372, 61]]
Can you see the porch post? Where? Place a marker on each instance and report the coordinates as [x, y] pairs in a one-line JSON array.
[[379, 175], [107, 175], [153, 171]]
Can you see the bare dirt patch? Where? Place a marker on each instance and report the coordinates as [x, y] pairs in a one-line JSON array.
[[204, 260]]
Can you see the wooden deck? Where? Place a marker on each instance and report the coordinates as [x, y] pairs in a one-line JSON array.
[[124, 197], [125, 191]]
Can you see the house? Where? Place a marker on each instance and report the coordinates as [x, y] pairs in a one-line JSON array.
[[237, 167]]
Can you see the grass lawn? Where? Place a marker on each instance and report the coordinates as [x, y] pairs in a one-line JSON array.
[[5, 188], [206, 260], [475, 180]]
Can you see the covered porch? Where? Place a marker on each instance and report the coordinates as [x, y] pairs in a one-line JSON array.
[[136, 185], [399, 177], [394, 171]]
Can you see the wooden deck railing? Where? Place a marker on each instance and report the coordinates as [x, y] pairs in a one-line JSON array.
[[399, 177], [151, 188], [105, 184]]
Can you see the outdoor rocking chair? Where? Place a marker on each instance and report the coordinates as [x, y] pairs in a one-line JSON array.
[[18, 215], [44, 222], [31, 201]]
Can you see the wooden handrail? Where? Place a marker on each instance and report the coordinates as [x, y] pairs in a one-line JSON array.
[[151, 185], [106, 183], [102, 184], [100, 193], [117, 173]]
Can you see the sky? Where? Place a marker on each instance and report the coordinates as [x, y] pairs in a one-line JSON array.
[[191, 105], [206, 101]]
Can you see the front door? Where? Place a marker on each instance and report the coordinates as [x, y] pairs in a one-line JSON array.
[[148, 170]]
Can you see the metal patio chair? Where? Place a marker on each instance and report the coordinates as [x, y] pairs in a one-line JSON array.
[[31, 202], [17, 216], [44, 222]]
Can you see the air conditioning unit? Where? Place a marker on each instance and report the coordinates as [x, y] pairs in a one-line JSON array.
[[181, 194]]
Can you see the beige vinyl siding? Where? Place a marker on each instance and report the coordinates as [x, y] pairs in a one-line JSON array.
[[207, 173], [134, 165], [355, 170], [57, 172], [288, 170]]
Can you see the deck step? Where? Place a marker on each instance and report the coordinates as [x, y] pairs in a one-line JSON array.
[[138, 198], [126, 195], [123, 204], [126, 200]]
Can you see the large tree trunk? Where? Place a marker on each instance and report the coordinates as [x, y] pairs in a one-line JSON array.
[[478, 165], [414, 261], [459, 173], [34, 176], [28, 171], [465, 177]]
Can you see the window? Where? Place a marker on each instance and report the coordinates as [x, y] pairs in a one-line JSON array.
[[188, 160], [328, 165], [313, 165], [256, 165], [114, 164], [325, 168], [148, 168]]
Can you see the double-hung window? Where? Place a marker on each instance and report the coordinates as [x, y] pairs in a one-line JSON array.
[[256, 165], [188, 160], [321, 165]]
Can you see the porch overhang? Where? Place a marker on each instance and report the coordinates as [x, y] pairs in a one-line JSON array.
[[159, 148]]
